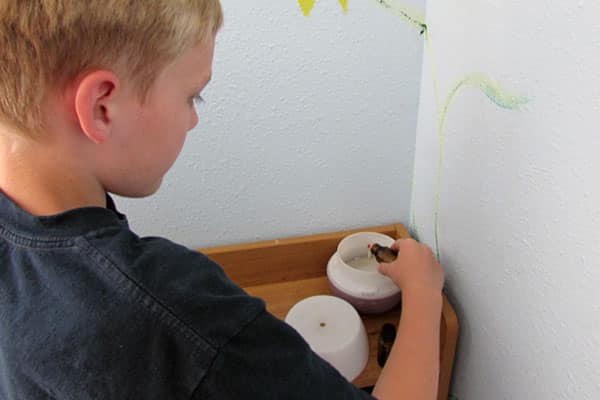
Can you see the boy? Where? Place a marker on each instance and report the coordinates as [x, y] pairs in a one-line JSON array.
[[96, 98]]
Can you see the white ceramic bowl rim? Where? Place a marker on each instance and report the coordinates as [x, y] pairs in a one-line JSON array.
[[355, 243]]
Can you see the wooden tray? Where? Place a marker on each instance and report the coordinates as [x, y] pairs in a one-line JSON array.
[[285, 271]]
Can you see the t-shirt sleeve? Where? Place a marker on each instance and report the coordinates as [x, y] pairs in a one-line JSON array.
[[268, 359]]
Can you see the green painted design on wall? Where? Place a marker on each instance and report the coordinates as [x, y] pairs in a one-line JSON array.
[[490, 88], [412, 15], [498, 96], [484, 83]]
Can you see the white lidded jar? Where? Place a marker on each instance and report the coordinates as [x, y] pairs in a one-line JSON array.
[[353, 275], [334, 331]]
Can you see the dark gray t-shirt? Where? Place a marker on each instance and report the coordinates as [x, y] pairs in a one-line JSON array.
[[89, 310]]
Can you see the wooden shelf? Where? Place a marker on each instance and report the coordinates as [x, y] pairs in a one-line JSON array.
[[285, 271]]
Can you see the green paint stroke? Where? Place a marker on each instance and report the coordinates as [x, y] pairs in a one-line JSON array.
[[413, 218], [498, 96], [483, 82], [487, 85], [412, 225], [412, 15], [490, 88]]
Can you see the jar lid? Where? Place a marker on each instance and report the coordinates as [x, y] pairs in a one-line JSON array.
[[334, 330]]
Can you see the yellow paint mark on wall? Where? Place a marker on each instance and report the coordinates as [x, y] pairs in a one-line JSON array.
[[344, 4], [307, 6]]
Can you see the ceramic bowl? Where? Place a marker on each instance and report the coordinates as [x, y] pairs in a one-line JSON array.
[[334, 331], [356, 279]]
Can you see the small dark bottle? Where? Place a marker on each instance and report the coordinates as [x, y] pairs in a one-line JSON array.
[[383, 254], [385, 342]]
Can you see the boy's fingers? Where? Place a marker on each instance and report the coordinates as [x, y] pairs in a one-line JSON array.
[[401, 242], [382, 268], [385, 268]]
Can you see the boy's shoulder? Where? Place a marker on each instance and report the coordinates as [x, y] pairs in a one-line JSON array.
[[176, 282], [101, 306], [91, 252]]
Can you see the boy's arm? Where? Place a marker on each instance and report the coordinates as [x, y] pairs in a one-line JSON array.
[[412, 368]]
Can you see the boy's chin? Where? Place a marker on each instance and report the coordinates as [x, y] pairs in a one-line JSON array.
[[138, 192]]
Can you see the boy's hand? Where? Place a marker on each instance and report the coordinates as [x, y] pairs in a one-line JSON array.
[[415, 268]]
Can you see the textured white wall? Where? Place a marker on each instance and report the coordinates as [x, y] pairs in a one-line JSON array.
[[309, 126], [520, 199]]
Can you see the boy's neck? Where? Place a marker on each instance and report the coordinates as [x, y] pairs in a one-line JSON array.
[[42, 181]]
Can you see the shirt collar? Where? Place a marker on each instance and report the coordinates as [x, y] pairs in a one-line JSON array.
[[70, 223]]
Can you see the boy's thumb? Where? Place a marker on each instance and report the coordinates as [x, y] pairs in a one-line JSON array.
[[383, 269]]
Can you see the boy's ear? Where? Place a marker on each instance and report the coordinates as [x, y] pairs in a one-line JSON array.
[[95, 104]]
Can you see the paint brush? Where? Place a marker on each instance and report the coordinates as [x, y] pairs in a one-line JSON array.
[[382, 254]]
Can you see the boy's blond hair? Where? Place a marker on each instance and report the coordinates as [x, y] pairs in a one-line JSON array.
[[46, 44]]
